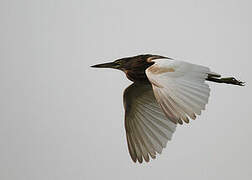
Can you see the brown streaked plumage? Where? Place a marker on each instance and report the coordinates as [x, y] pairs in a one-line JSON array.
[[165, 92]]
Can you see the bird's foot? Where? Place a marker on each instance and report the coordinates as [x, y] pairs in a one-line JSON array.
[[232, 80]]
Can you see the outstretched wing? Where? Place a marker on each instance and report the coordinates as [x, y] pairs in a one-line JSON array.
[[147, 127], [179, 88]]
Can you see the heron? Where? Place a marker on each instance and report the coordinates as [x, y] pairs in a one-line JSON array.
[[165, 92]]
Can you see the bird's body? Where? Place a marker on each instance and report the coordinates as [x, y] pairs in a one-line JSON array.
[[165, 92]]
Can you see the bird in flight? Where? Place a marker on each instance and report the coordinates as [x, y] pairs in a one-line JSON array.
[[165, 92]]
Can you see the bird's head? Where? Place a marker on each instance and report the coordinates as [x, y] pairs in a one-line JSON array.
[[140, 62]]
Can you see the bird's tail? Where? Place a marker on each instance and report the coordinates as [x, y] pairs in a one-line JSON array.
[[228, 80]]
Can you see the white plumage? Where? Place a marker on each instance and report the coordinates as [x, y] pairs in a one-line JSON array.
[[177, 93], [147, 127], [180, 88]]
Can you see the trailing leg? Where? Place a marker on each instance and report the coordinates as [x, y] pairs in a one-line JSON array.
[[228, 80]]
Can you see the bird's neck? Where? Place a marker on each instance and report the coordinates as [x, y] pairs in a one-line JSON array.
[[135, 69], [137, 76]]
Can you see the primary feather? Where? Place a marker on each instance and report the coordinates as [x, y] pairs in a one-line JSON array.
[[147, 127]]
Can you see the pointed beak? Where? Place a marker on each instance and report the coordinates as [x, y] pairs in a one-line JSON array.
[[106, 65]]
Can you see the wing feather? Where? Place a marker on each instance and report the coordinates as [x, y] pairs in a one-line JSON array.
[[147, 127], [179, 88]]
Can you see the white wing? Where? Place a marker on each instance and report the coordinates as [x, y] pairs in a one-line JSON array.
[[147, 127], [179, 88]]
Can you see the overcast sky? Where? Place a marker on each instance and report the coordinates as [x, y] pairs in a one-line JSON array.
[[61, 119]]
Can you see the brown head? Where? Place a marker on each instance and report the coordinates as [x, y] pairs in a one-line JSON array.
[[134, 67]]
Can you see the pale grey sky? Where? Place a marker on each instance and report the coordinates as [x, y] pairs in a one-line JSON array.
[[60, 119]]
